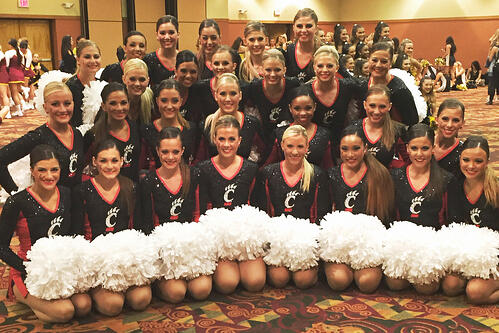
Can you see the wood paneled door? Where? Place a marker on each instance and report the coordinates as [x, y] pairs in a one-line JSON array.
[[36, 31]]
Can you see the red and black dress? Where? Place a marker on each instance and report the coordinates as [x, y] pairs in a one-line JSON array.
[[30, 220], [303, 72], [275, 195], [71, 158], [94, 215], [219, 191], [449, 161], [113, 72], [461, 208], [158, 71], [76, 88], [161, 204], [420, 206], [350, 197]]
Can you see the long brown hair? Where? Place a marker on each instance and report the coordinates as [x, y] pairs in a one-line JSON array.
[[388, 135], [308, 12], [380, 188], [172, 84], [185, 172], [490, 183], [100, 129]]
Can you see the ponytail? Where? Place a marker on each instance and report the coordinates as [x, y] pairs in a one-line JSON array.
[[100, 127], [388, 136], [490, 188], [380, 189], [146, 105], [436, 184], [128, 196], [308, 174]]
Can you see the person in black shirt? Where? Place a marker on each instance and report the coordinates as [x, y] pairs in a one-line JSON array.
[[474, 199], [171, 194], [421, 188], [299, 54], [105, 204], [57, 132], [360, 185], [161, 63], [140, 96], [228, 179], [302, 108], [41, 210], [68, 63], [449, 119], [385, 137], [169, 103], [89, 61], [228, 95], [209, 40], [186, 74], [135, 47], [113, 123]]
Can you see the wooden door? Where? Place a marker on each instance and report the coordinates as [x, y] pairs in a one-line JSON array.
[[36, 31]]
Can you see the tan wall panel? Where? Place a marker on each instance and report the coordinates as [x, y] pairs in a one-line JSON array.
[[149, 10], [148, 29], [40, 7], [191, 10], [188, 36], [108, 36], [108, 10]]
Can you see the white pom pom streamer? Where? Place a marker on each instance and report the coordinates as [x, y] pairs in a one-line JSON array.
[[239, 234], [124, 259], [92, 100], [186, 250], [470, 251], [352, 239], [293, 243], [21, 174], [413, 88], [46, 78], [413, 252], [53, 272]]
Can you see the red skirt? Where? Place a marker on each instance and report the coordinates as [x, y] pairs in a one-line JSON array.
[[16, 278], [4, 74]]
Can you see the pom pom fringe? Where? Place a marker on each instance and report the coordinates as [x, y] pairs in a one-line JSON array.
[[413, 88], [46, 78]]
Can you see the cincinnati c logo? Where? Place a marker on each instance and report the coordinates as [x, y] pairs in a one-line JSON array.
[[126, 154], [415, 208], [73, 159], [290, 200], [229, 194], [301, 76], [475, 216], [373, 150], [113, 212], [175, 209], [329, 117], [274, 114], [55, 223], [350, 200]]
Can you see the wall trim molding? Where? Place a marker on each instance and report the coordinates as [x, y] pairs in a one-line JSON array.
[[34, 17]]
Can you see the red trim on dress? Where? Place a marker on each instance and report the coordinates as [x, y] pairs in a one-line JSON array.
[[52, 211], [162, 63], [335, 98], [284, 176], [367, 135], [410, 183], [345, 180], [448, 151], [313, 208], [166, 186], [296, 58], [468, 198], [87, 229], [59, 138], [100, 194], [220, 172], [127, 136]]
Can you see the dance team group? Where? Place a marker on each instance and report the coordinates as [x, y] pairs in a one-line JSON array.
[[178, 134]]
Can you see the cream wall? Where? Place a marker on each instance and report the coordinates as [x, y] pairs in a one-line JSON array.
[[40, 8], [361, 10]]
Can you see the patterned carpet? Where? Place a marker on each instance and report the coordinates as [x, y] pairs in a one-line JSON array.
[[286, 310]]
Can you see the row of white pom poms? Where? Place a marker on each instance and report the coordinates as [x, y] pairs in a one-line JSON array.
[[63, 265]]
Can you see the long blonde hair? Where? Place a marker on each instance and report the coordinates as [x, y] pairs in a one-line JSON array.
[[248, 72], [212, 119], [308, 169], [147, 98]]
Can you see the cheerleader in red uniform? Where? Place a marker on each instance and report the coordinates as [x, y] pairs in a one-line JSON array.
[[171, 194], [361, 185], [385, 137], [4, 86], [107, 204], [474, 199], [13, 60], [228, 179], [42, 210], [450, 119], [169, 102]]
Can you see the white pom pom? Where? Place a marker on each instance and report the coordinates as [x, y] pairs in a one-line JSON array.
[[124, 259], [352, 239], [21, 174], [412, 252], [239, 234], [92, 101], [470, 251], [46, 78], [414, 89], [53, 272], [293, 243], [186, 250]]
